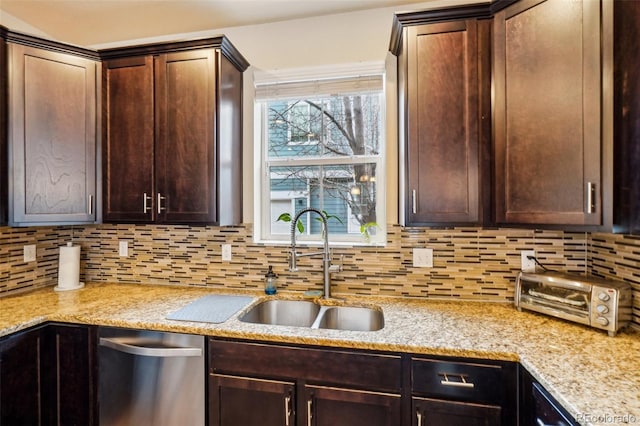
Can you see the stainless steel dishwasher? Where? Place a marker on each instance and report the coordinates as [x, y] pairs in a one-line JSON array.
[[151, 378]]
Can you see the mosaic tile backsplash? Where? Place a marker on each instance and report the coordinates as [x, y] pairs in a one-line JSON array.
[[469, 263]]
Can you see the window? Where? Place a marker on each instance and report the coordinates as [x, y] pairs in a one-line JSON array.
[[322, 146]]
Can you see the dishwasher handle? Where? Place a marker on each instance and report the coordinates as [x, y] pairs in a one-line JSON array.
[[137, 347]]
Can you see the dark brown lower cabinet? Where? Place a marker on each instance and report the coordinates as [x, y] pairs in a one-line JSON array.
[[21, 381], [465, 392], [537, 406], [328, 406], [69, 359], [47, 376], [268, 384], [253, 383], [436, 412], [248, 401], [251, 401]]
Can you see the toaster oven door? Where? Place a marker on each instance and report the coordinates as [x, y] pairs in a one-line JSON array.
[[565, 302]]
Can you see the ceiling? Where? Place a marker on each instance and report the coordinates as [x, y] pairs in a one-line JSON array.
[[94, 22]]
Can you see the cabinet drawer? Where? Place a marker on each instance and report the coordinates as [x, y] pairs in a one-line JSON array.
[[321, 366], [458, 380]]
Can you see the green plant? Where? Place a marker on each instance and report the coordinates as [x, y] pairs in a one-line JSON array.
[[286, 217], [364, 228]]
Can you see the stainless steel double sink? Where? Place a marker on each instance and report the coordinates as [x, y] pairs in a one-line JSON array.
[[303, 313]]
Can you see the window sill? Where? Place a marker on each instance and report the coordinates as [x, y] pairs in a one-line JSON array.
[[332, 244]]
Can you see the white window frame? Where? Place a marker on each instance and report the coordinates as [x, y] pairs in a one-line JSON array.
[[262, 190]]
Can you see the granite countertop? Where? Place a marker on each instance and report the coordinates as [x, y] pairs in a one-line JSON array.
[[595, 377]]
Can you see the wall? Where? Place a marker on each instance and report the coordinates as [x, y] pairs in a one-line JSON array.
[[17, 275], [469, 263], [361, 36], [617, 257]]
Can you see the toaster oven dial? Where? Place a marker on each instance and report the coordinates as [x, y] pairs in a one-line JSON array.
[[603, 296], [602, 321], [602, 309]]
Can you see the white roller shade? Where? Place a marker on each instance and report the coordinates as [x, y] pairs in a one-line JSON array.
[[343, 80]]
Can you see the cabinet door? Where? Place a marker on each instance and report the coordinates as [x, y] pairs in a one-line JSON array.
[[229, 143], [3, 131], [443, 137], [337, 367], [246, 401], [128, 148], [21, 383], [185, 143], [70, 396], [537, 407], [52, 137], [435, 412], [328, 406], [547, 74], [626, 115]]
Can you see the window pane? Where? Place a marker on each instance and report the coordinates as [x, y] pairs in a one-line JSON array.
[[347, 192], [325, 127]]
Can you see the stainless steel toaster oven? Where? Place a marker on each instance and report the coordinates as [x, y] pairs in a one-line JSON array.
[[591, 301]]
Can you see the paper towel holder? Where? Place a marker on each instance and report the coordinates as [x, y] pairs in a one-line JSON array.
[[69, 268]]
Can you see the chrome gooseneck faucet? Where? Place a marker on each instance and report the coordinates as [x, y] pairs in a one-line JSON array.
[[327, 268]]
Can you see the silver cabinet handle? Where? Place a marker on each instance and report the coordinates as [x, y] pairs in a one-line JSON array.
[[309, 415], [591, 197], [419, 417], [90, 204], [160, 198], [136, 347], [145, 202], [459, 384], [287, 410], [414, 206]]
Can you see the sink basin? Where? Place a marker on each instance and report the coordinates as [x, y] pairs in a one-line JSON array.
[[302, 313], [299, 313], [352, 318]]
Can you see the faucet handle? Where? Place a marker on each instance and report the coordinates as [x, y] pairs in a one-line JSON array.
[[338, 267], [293, 264]]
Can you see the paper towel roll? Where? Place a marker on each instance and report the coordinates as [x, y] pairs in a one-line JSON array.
[[69, 268]]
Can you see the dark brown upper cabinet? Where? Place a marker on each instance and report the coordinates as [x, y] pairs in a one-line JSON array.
[[445, 121], [626, 116], [51, 123], [4, 72], [549, 149], [129, 139], [173, 133], [561, 149]]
